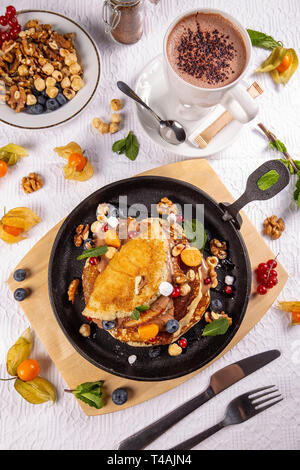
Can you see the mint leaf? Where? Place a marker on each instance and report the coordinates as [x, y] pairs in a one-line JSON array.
[[98, 251], [216, 327], [137, 311], [268, 180], [132, 146], [288, 164], [262, 40], [195, 233], [129, 146], [119, 146], [277, 145], [90, 393]]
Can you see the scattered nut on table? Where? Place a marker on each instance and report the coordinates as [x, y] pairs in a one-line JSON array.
[[116, 118], [273, 227], [32, 182], [113, 128], [116, 104]]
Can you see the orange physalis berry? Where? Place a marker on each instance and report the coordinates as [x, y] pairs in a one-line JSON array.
[[14, 231], [3, 168], [296, 317], [285, 64], [77, 160], [28, 370], [147, 332]]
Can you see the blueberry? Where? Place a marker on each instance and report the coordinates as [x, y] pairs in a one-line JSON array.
[[61, 99], [216, 305], [119, 396], [52, 104], [35, 92], [88, 244], [172, 326], [108, 325], [36, 109], [19, 275], [60, 88], [154, 352], [41, 100], [20, 294]]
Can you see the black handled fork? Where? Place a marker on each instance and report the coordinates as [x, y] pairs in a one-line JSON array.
[[240, 409]]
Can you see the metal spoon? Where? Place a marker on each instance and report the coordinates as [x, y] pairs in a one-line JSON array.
[[171, 131]]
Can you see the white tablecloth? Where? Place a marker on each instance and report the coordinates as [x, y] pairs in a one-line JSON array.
[[64, 426]]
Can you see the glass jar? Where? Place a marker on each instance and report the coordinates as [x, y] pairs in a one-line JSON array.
[[124, 19]]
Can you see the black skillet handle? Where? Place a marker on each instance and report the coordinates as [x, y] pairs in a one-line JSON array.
[[254, 193]]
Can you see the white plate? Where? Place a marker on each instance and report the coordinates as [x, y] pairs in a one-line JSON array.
[[89, 58], [152, 87]]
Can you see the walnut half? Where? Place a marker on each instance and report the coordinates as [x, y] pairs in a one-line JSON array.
[[273, 227], [32, 183]]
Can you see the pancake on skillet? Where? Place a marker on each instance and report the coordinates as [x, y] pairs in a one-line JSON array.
[[123, 293]]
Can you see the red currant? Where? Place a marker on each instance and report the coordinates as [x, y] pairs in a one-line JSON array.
[[263, 267], [176, 292], [10, 11], [273, 273], [89, 318], [262, 277], [179, 218], [228, 290], [272, 263], [3, 20], [183, 343], [270, 283], [12, 22], [5, 36], [207, 281], [132, 234], [275, 280], [93, 260], [16, 29], [261, 290], [104, 228], [13, 34], [152, 340]]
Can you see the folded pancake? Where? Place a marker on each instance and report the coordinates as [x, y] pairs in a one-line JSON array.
[[132, 279]]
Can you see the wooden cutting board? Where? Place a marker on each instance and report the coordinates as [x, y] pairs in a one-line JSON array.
[[73, 367]]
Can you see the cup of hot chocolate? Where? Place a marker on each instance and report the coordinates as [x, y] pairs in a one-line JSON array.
[[206, 55]]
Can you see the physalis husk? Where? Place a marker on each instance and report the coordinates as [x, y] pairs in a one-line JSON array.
[[293, 308], [273, 62], [19, 352], [70, 172], [16, 222], [11, 153]]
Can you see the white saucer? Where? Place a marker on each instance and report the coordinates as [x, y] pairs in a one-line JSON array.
[[152, 87]]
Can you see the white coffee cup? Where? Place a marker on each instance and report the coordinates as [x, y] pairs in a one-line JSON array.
[[194, 100]]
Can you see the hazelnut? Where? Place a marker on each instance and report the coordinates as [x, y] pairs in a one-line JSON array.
[[23, 70], [74, 68], [52, 91], [178, 249], [174, 349], [103, 128], [111, 252], [63, 52], [48, 69], [65, 83], [85, 330], [191, 275], [116, 118], [116, 104], [30, 99], [39, 84], [95, 227], [77, 83], [68, 93], [113, 128], [50, 82], [96, 122], [185, 290], [70, 59], [57, 75]]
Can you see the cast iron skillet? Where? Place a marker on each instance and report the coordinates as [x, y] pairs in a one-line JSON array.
[[222, 221]]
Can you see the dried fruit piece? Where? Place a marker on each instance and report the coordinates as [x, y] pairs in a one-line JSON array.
[[112, 239], [191, 256], [72, 290], [147, 332]]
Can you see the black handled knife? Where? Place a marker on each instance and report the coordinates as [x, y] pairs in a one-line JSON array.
[[219, 381]]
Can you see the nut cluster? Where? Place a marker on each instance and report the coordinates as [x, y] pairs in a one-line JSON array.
[[32, 183], [273, 227], [218, 249], [81, 234], [115, 119], [72, 290], [37, 60], [166, 207], [211, 316]]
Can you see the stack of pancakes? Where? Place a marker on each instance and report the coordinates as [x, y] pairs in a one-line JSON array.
[[132, 278]]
